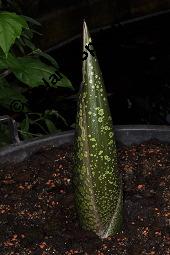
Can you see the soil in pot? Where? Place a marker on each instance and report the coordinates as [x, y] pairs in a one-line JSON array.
[[37, 212]]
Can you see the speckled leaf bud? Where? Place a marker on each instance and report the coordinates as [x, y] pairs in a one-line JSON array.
[[98, 189]]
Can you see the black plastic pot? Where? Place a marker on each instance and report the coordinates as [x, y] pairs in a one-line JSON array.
[[125, 134]]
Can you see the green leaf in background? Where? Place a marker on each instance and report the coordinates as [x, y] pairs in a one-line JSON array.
[[98, 190], [11, 26], [31, 20], [32, 71], [3, 64], [11, 62], [20, 45], [27, 33], [47, 56], [5, 136], [63, 82], [55, 113], [50, 125], [25, 124], [29, 44], [9, 95], [24, 128], [44, 121]]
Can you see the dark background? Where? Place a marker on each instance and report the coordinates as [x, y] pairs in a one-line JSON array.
[[132, 41]]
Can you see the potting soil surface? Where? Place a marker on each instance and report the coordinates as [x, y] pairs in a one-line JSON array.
[[38, 216]]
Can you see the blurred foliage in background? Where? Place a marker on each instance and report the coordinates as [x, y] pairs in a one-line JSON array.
[[20, 6], [24, 67], [4, 134]]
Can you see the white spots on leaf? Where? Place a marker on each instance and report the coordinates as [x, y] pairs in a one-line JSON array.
[[92, 139], [101, 112], [100, 152], [107, 158], [110, 182], [93, 173], [110, 142], [100, 119], [85, 154], [96, 108], [106, 128], [110, 134]]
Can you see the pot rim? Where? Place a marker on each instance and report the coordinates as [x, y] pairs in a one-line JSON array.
[[124, 134]]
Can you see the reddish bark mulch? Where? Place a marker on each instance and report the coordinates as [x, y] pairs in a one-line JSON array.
[[37, 213]]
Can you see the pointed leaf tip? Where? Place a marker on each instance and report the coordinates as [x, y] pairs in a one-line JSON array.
[[86, 36], [84, 25], [98, 190]]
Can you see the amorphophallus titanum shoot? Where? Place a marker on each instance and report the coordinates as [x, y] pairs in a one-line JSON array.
[[98, 189]]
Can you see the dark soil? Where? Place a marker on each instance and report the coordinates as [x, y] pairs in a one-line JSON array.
[[38, 217]]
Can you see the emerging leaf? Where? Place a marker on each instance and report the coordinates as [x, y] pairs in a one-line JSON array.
[[98, 190]]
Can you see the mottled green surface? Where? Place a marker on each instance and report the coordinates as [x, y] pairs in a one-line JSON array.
[[96, 178]]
